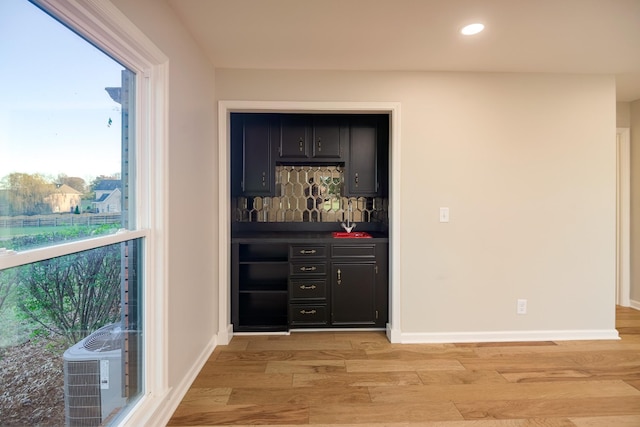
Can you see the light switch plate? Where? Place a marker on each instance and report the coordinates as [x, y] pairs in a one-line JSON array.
[[444, 214]]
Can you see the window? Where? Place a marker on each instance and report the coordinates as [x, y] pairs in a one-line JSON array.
[[76, 215]]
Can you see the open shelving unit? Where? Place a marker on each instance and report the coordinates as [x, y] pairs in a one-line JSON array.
[[260, 287]]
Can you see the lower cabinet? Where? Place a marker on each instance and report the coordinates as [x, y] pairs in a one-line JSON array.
[[308, 286], [353, 294], [288, 286], [359, 284], [259, 297]]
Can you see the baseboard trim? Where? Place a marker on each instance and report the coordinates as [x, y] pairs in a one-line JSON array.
[[506, 336], [177, 393], [393, 335], [634, 304], [224, 336]]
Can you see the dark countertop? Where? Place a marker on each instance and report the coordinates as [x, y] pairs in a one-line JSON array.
[[303, 237]]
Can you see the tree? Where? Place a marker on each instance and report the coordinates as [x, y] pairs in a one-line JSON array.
[[25, 193], [75, 294], [74, 182], [7, 282]]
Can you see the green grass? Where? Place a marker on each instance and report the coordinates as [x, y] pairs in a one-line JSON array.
[[29, 231]]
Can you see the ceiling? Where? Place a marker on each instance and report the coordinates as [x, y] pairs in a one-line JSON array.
[[541, 36]]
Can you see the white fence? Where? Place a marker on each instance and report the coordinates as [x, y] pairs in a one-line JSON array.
[[63, 220]]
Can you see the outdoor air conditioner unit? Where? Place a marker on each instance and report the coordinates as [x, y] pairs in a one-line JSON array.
[[93, 377]]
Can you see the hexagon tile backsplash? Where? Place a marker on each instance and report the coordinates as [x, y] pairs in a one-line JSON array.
[[306, 193]]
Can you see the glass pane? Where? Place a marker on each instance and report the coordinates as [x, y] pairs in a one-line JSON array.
[[71, 337], [64, 132]]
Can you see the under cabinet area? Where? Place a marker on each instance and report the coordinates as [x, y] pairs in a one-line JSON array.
[[282, 286]]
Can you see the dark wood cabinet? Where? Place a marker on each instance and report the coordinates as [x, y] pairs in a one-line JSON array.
[[260, 141], [295, 137], [279, 286], [359, 284], [362, 169], [259, 167], [308, 285], [329, 137], [353, 293], [252, 160], [312, 138], [259, 300]]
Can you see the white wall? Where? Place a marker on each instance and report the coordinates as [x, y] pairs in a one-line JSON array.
[[623, 114], [192, 310], [635, 203], [527, 165]]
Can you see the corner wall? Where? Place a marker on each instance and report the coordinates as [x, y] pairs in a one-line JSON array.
[[192, 308], [527, 165], [635, 203]]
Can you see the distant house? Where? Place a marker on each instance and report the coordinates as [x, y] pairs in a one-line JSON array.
[[108, 196], [63, 199]]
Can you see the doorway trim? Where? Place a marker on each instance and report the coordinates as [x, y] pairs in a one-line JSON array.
[[623, 217], [225, 328]]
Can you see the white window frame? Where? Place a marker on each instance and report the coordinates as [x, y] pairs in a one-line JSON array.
[[105, 26]]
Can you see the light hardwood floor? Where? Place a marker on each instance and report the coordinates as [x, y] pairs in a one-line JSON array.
[[359, 378]]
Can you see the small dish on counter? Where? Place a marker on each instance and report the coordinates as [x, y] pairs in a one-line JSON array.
[[352, 235]]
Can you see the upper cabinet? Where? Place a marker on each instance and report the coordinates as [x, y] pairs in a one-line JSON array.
[[305, 137], [367, 156], [260, 141], [253, 165]]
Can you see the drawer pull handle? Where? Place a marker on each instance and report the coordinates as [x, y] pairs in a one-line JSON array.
[[305, 287], [307, 312], [307, 251], [339, 277], [308, 268]]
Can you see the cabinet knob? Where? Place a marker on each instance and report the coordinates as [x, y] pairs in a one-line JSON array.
[[319, 144], [313, 268], [306, 287], [307, 251], [339, 277], [307, 312], [301, 143], [356, 179]]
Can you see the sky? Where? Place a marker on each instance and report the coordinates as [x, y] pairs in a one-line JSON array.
[[55, 115]]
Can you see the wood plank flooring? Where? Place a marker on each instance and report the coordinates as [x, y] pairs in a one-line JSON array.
[[359, 379]]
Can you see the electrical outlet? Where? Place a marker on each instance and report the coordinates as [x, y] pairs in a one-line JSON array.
[[521, 306]]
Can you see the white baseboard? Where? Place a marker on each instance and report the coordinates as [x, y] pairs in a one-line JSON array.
[[393, 335], [635, 304], [224, 336], [506, 336], [163, 413]]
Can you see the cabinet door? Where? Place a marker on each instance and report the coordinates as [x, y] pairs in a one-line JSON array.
[[326, 138], [258, 166], [362, 167], [353, 293], [294, 136]]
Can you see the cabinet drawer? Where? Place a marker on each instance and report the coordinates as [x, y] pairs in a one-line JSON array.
[[308, 268], [307, 251], [353, 251], [307, 289], [308, 315]]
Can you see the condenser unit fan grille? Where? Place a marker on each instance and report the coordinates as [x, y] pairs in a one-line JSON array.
[[105, 339]]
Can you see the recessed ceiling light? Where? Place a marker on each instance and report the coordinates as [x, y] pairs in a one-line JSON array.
[[472, 29]]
